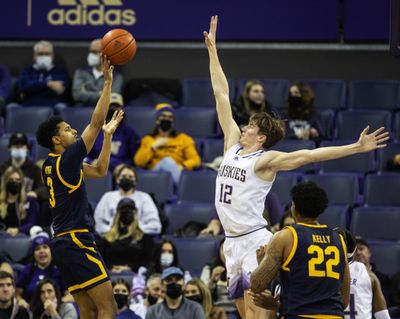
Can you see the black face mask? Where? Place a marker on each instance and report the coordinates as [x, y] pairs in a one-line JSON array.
[[166, 125], [122, 300], [151, 299], [295, 101], [126, 184], [174, 290], [14, 187], [126, 217], [196, 298]]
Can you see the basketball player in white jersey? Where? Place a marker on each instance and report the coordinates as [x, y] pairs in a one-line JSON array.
[[246, 175]]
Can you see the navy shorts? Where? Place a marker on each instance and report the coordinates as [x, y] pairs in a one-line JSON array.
[[76, 256]]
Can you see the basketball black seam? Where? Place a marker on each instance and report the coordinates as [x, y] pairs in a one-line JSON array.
[[110, 56], [121, 35]]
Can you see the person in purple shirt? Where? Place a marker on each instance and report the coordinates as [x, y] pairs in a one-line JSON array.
[[43, 83], [41, 267], [125, 139]]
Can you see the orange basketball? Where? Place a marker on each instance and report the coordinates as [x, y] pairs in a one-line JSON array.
[[119, 46]]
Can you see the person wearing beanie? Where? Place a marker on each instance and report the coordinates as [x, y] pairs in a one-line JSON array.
[[166, 149]]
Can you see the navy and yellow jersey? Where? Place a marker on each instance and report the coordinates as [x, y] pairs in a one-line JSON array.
[[312, 275], [63, 176]]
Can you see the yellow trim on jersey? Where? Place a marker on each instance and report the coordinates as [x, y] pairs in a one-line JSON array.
[[292, 251], [72, 231], [311, 225], [72, 187], [321, 316], [79, 243], [54, 155], [344, 246]]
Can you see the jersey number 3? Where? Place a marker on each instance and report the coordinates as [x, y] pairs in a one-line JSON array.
[[225, 193], [329, 256], [52, 199]]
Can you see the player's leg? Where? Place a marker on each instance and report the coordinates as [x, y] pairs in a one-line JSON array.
[[87, 307], [103, 297], [240, 307]]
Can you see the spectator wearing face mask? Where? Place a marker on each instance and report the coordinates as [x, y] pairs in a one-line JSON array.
[[165, 255], [18, 212], [175, 304], [125, 139], [88, 82], [148, 217], [19, 157], [121, 294], [165, 149], [43, 83], [125, 246]]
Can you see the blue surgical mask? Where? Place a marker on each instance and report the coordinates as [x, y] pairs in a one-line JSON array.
[[19, 154]]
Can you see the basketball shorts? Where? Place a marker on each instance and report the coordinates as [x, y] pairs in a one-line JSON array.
[[76, 256], [241, 259]]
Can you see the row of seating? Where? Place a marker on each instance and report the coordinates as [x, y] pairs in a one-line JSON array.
[[201, 122]]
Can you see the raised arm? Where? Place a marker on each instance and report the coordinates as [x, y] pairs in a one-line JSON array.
[[90, 133], [221, 88], [99, 169], [279, 161]]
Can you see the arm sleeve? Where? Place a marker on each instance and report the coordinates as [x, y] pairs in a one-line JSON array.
[[150, 220], [71, 161], [145, 153], [100, 215], [117, 83], [69, 311], [79, 94], [191, 157], [28, 84], [32, 213]]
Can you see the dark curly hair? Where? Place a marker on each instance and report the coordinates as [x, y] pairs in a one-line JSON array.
[[309, 199], [46, 131]]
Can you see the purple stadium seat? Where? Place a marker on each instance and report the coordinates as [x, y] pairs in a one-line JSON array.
[[387, 153], [334, 216], [96, 187], [284, 181], [296, 145], [196, 122], [77, 117], [17, 247], [212, 148], [329, 94], [26, 119], [396, 128], [197, 186], [140, 118], [386, 257], [158, 184], [382, 190]]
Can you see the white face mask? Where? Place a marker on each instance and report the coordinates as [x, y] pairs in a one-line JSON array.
[[166, 259], [44, 62], [19, 153], [93, 59]]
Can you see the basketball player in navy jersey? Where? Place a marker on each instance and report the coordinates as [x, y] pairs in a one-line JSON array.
[[73, 247], [247, 173]]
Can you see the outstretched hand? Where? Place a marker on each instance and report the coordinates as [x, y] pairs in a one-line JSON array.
[[107, 68], [210, 36], [112, 125], [372, 141]]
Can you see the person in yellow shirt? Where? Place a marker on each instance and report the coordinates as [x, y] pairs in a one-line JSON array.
[[166, 149]]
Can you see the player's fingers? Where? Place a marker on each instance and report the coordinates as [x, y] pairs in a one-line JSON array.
[[379, 130], [382, 135], [381, 140], [381, 145], [365, 131]]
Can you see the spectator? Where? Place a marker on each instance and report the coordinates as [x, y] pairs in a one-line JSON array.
[[363, 255], [148, 216], [394, 163], [19, 157], [154, 293], [5, 86], [165, 149], [18, 212], [286, 220], [125, 140], [126, 247], [252, 100], [40, 267], [121, 294], [43, 83], [165, 255], [197, 291], [46, 302], [175, 304], [9, 308], [88, 82], [302, 121]]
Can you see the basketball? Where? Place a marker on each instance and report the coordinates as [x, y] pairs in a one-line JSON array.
[[119, 46]]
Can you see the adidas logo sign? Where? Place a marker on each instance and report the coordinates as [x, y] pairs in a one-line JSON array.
[[91, 12]]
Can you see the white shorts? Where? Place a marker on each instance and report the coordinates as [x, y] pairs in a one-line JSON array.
[[241, 259]]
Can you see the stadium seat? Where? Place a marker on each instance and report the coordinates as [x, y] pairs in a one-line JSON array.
[[196, 122], [77, 117], [141, 119], [199, 146], [382, 189], [296, 145], [326, 119], [199, 92], [367, 223], [4, 153], [158, 184], [181, 213], [17, 247], [329, 94], [195, 253], [359, 163], [26, 119], [387, 153], [373, 95], [276, 90], [283, 184], [342, 189], [212, 148], [334, 216], [96, 187], [396, 128], [386, 257], [197, 186], [351, 123], [127, 276]]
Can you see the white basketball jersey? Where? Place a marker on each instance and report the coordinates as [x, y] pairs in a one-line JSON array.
[[239, 193], [360, 306]]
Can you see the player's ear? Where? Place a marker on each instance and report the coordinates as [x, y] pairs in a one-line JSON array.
[[56, 140], [262, 138]]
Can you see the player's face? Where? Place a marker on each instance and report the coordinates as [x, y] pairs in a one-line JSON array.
[[47, 292], [66, 134], [250, 135], [192, 290], [42, 255], [363, 254], [7, 290], [256, 94]]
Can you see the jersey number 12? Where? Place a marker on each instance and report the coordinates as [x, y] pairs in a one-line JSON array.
[[225, 193]]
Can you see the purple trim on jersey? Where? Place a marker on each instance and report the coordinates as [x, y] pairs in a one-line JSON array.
[[254, 154]]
